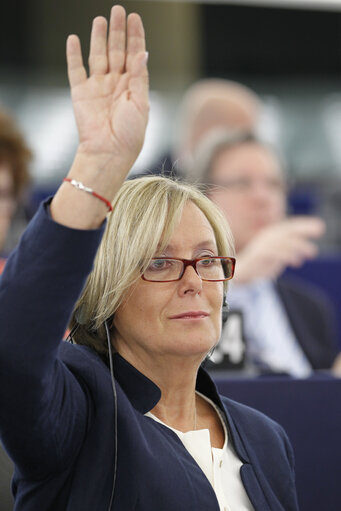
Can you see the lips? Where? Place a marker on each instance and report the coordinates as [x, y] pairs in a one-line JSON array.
[[190, 315]]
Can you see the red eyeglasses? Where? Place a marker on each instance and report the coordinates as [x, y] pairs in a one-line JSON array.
[[170, 269]]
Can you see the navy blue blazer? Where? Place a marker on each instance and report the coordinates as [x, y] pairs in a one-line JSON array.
[[57, 410]]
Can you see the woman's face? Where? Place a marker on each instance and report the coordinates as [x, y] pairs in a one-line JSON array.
[[181, 318]]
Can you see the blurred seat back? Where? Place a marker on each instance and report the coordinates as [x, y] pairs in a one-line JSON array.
[[310, 412]]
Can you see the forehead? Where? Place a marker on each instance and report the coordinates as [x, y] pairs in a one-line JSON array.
[[247, 158], [193, 230]]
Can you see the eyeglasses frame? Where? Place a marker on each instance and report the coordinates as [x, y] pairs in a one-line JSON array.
[[193, 262]]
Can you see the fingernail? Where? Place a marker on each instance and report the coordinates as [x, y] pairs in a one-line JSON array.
[[146, 56]]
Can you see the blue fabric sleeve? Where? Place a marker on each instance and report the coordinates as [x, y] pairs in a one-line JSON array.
[[43, 407]]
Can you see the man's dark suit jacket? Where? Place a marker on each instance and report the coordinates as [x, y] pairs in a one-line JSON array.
[[312, 320]]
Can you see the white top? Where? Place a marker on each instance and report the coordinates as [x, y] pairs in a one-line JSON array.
[[270, 339], [220, 466]]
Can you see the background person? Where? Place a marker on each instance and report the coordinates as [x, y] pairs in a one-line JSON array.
[[207, 105], [14, 178], [153, 293], [14, 174], [287, 326]]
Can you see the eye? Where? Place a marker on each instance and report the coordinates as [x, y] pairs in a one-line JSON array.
[[159, 264], [242, 184], [275, 184], [209, 261]]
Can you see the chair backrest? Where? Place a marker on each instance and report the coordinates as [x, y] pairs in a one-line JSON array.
[[310, 412]]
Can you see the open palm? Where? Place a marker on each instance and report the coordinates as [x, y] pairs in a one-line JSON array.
[[111, 104]]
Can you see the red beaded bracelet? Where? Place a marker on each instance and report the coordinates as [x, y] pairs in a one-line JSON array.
[[80, 186]]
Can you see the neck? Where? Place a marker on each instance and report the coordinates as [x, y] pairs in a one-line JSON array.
[[176, 378], [178, 406]]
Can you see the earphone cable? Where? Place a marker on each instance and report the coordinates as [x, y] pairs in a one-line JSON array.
[[115, 411]]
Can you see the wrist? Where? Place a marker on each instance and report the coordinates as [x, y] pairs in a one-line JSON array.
[[104, 173]]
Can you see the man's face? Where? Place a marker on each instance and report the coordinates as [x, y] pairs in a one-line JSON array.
[[251, 190]]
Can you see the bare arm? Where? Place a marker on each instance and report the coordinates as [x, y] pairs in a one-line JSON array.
[[111, 111]]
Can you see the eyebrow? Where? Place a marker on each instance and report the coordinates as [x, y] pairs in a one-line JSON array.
[[203, 244]]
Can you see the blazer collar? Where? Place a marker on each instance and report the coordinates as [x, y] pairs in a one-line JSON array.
[[144, 395], [140, 390]]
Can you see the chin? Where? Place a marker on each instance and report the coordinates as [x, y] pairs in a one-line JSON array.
[[195, 348]]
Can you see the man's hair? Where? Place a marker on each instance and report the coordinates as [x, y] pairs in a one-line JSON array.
[[14, 152], [220, 140], [145, 212]]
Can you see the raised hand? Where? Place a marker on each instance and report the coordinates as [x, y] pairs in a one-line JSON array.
[[111, 104], [287, 243], [111, 110]]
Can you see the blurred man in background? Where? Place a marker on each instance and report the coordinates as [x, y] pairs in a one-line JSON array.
[[14, 178], [14, 175], [276, 323], [208, 104]]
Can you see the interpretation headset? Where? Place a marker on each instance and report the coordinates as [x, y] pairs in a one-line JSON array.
[[225, 310], [115, 412]]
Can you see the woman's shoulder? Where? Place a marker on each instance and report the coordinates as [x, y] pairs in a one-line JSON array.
[[251, 419], [263, 438], [81, 358]]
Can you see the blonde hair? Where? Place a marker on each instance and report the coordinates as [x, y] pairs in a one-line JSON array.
[[145, 213]]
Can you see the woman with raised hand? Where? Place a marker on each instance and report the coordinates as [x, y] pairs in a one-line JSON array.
[[123, 417]]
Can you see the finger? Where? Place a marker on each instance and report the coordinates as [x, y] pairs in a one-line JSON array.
[[310, 227], [306, 250], [136, 84], [98, 60], [117, 39], [75, 67], [139, 80], [297, 251], [136, 42]]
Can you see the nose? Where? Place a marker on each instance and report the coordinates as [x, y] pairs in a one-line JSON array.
[[261, 192], [190, 282]]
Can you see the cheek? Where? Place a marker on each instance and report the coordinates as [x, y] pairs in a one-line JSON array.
[[216, 296], [281, 207], [142, 308]]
